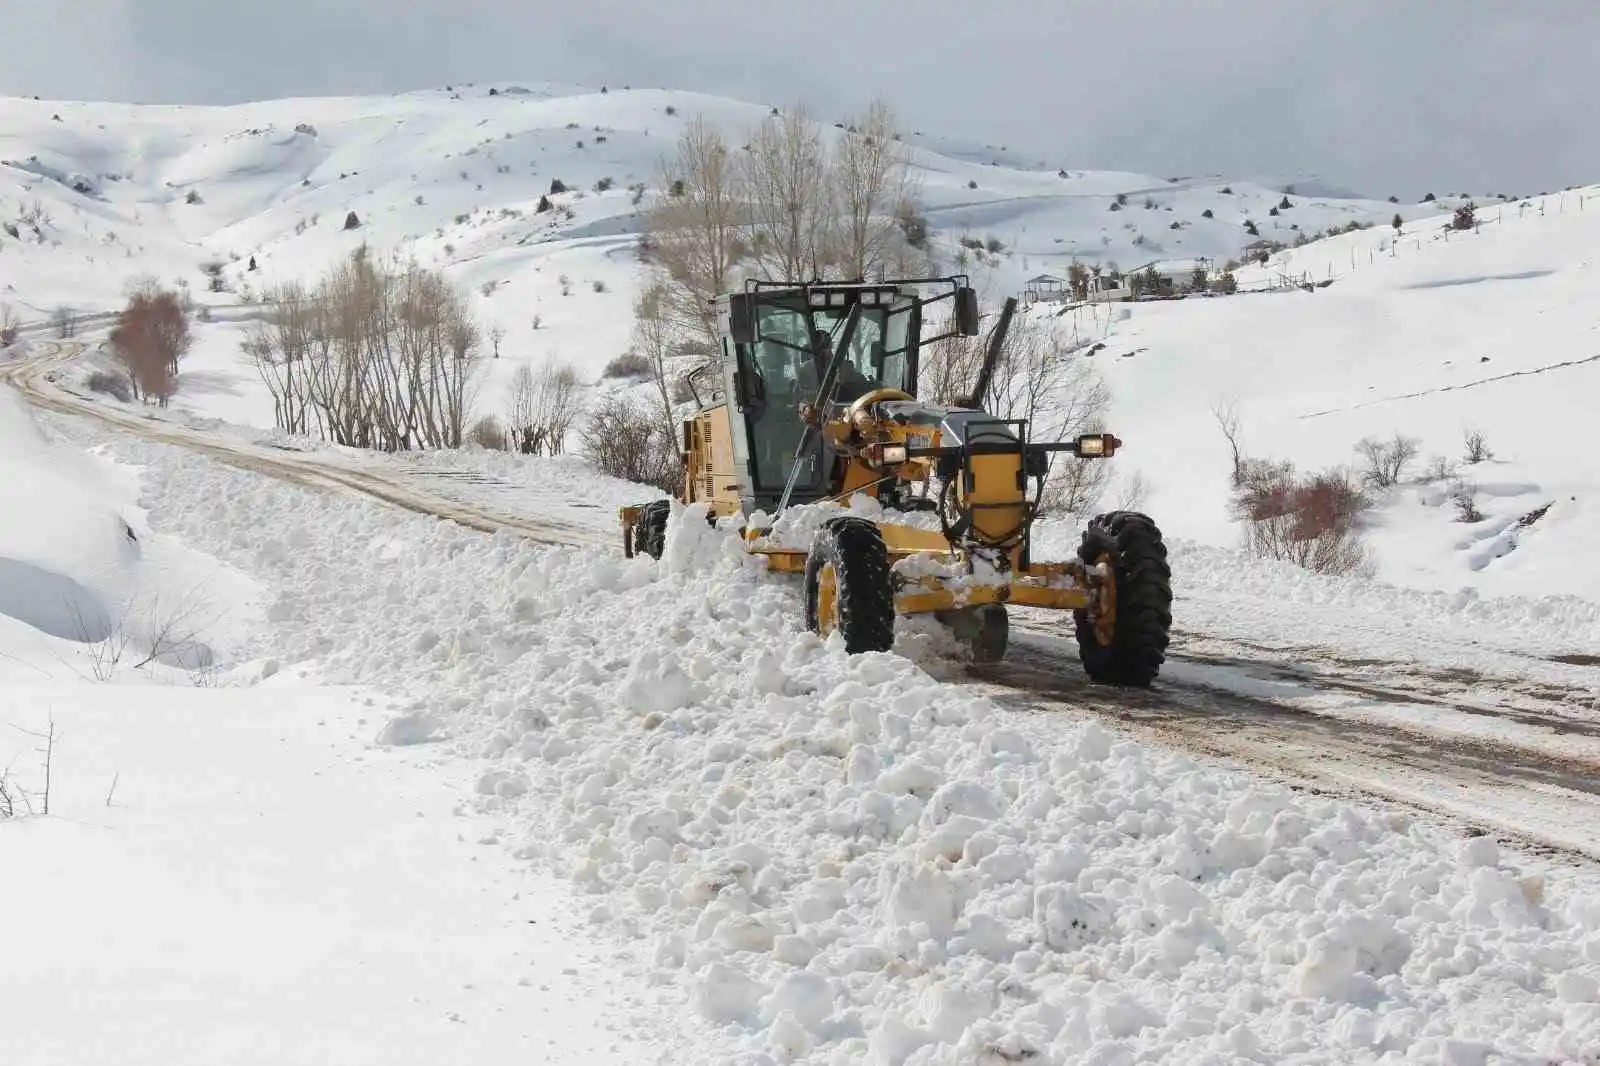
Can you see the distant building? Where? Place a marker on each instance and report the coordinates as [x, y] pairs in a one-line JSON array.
[[1045, 287], [1172, 275]]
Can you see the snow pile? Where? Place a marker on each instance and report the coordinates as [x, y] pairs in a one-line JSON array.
[[839, 859], [796, 528]]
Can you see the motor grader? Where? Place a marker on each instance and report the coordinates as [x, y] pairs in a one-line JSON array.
[[814, 400]]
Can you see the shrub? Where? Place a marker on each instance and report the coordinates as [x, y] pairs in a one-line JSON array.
[[599, 286], [1430, 198], [1384, 463], [972, 184], [1476, 445], [1207, 213], [1225, 283], [352, 221], [1313, 522], [192, 197], [631, 442], [544, 205], [1466, 217], [488, 433], [1397, 222], [603, 185], [671, 110], [1439, 468], [557, 186], [994, 245], [1464, 496], [112, 385], [628, 365]]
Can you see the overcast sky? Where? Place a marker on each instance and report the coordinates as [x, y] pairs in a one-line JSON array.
[[1385, 96]]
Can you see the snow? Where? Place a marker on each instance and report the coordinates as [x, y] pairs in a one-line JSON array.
[[215, 854], [834, 858], [1427, 336], [404, 791]]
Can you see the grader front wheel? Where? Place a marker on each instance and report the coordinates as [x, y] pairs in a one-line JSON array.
[[1123, 637], [848, 586]]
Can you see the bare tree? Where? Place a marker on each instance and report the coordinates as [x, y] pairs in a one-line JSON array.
[[1226, 412], [786, 181], [541, 408], [497, 334], [150, 339], [949, 366], [696, 230], [1385, 462], [652, 339], [871, 181], [1040, 376]]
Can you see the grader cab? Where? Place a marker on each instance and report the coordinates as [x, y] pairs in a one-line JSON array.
[[814, 402]]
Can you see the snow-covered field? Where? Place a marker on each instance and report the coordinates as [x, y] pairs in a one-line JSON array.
[[336, 780], [825, 858]]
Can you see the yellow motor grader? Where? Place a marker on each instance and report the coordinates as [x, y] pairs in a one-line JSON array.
[[814, 400]]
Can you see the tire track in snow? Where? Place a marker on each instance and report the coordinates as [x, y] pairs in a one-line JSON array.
[[31, 378], [1539, 796]]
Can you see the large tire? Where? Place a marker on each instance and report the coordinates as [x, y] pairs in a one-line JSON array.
[[1143, 585], [864, 591], [650, 528]]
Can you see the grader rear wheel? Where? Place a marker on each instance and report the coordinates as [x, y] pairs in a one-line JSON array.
[[649, 532], [848, 586], [1123, 637]]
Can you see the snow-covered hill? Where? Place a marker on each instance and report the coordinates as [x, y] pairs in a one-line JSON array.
[[1428, 333], [98, 193], [454, 176]]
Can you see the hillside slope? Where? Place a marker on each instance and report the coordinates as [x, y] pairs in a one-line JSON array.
[[455, 176], [99, 193], [1428, 335]]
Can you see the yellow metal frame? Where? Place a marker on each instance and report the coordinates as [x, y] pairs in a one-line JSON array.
[[1058, 586]]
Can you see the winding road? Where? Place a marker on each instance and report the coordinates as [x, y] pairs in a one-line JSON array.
[[1498, 754]]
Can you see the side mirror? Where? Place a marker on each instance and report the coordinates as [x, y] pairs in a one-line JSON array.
[[967, 311], [742, 318]]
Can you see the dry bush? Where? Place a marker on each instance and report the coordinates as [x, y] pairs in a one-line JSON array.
[[1384, 463], [64, 322], [1312, 521], [377, 355], [1464, 496], [110, 385], [1439, 468], [543, 405], [629, 441], [10, 326], [1475, 445], [489, 434], [150, 340]]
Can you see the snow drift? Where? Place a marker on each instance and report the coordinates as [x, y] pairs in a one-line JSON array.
[[841, 859]]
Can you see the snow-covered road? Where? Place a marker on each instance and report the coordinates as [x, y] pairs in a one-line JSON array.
[[1489, 736], [846, 859]]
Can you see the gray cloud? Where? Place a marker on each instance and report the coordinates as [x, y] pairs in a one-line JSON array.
[[1385, 96]]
